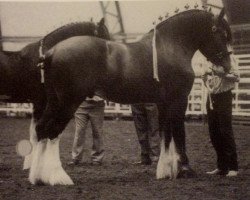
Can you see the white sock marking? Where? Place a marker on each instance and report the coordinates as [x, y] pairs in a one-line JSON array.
[[46, 166], [168, 162]]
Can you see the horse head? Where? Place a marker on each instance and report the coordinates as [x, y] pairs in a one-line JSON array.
[[218, 36]]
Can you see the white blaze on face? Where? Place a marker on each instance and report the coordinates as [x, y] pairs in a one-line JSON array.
[[167, 166]]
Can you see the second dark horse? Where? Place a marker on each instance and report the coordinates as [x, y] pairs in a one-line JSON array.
[[20, 77]]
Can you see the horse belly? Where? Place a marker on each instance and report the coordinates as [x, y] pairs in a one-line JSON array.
[[130, 92]]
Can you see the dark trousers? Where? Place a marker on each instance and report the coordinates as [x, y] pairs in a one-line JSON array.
[[220, 130], [147, 128]]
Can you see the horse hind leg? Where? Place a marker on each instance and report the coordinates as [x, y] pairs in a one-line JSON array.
[[46, 165], [47, 168]]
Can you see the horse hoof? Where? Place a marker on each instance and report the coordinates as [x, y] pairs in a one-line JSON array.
[[186, 172]]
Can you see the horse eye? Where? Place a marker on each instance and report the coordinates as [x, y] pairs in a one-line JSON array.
[[214, 28]]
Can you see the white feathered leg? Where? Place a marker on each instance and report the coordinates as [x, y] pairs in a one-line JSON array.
[[37, 163], [48, 168], [167, 166], [33, 140]]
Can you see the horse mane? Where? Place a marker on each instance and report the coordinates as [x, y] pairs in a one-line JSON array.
[[191, 11], [72, 29], [59, 34], [173, 17]]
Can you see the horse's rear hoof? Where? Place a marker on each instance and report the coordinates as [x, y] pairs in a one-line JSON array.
[[186, 172]]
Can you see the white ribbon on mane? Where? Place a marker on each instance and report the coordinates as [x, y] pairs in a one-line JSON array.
[[155, 64]]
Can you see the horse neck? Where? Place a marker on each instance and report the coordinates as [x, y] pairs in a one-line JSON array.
[[184, 32]]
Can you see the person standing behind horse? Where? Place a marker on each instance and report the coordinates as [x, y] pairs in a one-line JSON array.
[[219, 112], [146, 121], [92, 109]]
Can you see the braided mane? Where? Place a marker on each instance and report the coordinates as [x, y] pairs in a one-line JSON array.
[[181, 14]]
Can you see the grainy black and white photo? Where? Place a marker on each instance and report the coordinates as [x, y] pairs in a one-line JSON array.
[[140, 100]]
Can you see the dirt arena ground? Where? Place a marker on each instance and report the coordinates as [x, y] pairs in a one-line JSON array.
[[118, 178]]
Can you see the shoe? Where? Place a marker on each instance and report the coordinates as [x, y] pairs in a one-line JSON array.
[[148, 162], [186, 172], [73, 163], [217, 172], [232, 173]]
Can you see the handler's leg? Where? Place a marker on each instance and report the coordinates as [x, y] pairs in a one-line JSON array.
[[153, 130], [96, 118], [81, 122], [225, 120], [141, 126], [215, 135]]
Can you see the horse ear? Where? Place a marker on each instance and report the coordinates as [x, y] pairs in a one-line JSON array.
[[102, 22], [221, 15]]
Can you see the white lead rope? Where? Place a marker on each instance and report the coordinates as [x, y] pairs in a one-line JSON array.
[[155, 64]]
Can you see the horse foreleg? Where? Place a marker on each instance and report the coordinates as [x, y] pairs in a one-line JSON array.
[[167, 166]]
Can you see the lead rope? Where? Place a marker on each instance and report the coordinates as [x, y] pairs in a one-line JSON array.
[[210, 89], [41, 61], [155, 64]]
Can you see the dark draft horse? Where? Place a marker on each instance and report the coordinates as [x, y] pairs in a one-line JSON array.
[[20, 78], [81, 66]]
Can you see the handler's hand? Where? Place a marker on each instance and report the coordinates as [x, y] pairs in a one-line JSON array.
[[218, 70]]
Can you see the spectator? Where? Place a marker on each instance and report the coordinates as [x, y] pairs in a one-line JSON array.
[[92, 109], [147, 129]]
